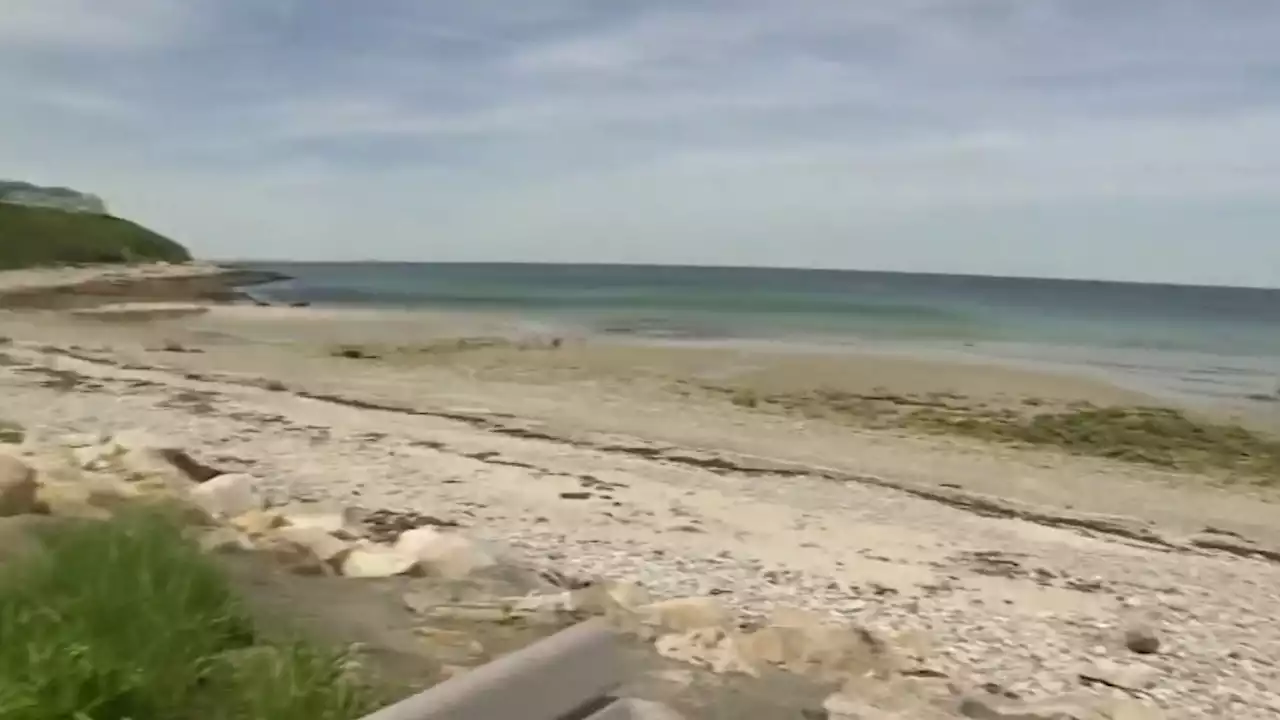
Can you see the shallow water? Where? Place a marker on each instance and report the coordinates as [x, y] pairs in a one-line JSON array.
[[1207, 343]]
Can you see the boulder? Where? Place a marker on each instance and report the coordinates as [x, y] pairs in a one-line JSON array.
[[18, 487], [447, 555], [373, 561], [685, 614], [228, 496], [328, 548], [91, 496]]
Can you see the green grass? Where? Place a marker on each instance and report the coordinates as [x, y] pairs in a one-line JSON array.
[[128, 620], [34, 237]]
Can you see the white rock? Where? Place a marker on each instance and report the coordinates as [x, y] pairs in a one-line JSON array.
[[448, 555], [323, 545], [377, 562], [228, 496]]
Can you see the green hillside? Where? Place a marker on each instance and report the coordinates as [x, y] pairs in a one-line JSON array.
[[35, 236]]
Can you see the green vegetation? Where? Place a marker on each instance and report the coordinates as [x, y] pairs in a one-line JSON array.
[[34, 237], [1154, 436], [127, 620], [1162, 437]]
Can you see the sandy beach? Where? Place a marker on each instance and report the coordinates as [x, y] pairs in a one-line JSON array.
[[769, 478]]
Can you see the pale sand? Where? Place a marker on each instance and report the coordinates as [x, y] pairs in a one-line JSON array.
[[499, 436], [49, 277]]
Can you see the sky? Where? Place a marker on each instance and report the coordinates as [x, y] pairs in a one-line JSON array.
[[1118, 139]]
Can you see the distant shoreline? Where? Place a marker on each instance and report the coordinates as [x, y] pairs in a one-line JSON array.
[[88, 286]]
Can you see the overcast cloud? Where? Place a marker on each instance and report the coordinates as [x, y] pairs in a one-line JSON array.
[[1080, 138]]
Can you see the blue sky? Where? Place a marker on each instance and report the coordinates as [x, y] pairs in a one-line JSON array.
[[1132, 139]]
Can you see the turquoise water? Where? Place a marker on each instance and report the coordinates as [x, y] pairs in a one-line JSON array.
[[1203, 341]]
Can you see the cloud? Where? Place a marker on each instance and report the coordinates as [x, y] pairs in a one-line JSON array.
[[919, 134], [120, 24]]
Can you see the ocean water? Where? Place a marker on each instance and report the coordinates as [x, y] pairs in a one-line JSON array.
[[1197, 342]]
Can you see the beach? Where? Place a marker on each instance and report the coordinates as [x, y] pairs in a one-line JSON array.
[[836, 482]]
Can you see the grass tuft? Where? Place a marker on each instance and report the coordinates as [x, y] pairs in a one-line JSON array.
[[128, 620]]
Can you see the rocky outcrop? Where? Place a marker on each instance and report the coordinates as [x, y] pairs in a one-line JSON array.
[[58, 198]]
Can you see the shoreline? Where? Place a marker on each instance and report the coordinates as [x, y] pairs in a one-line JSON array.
[[95, 285]]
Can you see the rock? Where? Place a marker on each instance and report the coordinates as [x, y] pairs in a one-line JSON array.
[[258, 522], [1141, 637], [145, 454], [805, 643], [1136, 676], [337, 522], [378, 562], [228, 496], [18, 487], [321, 544], [685, 614], [292, 556], [707, 647], [447, 555], [86, 497]]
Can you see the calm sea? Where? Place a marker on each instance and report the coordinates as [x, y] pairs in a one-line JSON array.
[[1199, 342]]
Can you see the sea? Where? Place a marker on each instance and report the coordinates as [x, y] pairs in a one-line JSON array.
[[1197, 343]]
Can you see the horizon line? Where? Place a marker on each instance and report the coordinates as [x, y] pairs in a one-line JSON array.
[[788, 268]]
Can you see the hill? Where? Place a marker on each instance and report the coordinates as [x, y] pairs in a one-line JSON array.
[[33, 236]]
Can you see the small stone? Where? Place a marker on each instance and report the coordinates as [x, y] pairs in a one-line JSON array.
[[18, 488], [1141, 638]]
